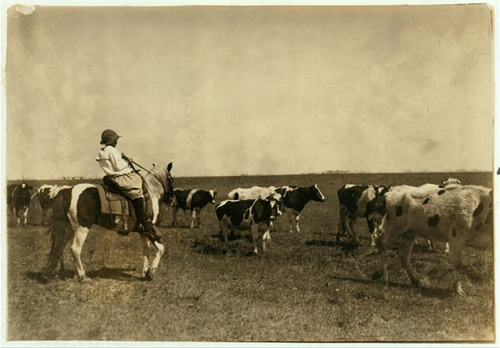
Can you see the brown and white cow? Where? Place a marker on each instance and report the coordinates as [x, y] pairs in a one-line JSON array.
[[459, 215], [194, 200], [46, 195], [18, 201], [248, 213]]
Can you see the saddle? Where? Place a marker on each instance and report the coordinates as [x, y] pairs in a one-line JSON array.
[[117, 210]]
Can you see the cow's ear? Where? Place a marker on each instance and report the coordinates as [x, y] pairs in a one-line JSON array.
[[215, 193], [169, 167]]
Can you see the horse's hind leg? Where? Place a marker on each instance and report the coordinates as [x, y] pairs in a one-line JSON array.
[[76, 249]]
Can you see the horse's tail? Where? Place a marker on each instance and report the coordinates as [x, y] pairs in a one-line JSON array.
[[60, 231]]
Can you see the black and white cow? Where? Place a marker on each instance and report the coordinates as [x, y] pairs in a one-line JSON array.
[[18, 201], [353, 202], [295, 199], [194, 200], [248, 213], [46, 195]]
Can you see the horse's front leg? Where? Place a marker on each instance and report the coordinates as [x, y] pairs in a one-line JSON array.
[[76, 249], [147, 270]]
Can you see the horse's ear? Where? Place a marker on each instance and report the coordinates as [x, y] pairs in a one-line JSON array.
[[169, 167]]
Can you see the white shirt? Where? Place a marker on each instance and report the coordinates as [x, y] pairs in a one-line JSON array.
[[111, 161]]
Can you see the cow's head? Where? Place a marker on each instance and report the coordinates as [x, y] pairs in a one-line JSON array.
[[451, 181], [213, 193], [276, 204], [376, 209], [315, 194]]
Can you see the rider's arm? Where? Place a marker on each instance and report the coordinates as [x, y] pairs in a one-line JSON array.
[[117, 161]]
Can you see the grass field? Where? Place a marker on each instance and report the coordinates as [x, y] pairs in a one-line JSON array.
[[305, 288]]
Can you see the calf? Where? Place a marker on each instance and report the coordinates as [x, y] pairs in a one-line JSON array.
[[295, 199], [353, 202], [253, 213], [46, 195], [194, 200], [18, 201], [460, 215]]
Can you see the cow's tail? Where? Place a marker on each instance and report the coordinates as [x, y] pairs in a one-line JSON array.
[[60, 233]]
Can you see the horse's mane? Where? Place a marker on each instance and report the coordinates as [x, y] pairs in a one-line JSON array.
[[160, 172], [156, 178]]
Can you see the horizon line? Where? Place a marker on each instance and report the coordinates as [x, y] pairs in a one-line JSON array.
[[327, 172]]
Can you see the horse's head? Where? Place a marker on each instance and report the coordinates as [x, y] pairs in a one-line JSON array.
[[164, 177]]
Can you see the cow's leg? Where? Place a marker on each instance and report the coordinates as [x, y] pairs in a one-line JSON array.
[[352, 232], [430, 244], [193, 218], [25, 216], [457, 246], [223, 232], [44, 217], [290, 218], [255, 235], [266, 239], [76, 249], [175, 209], [198, 213], [17, 215], [149, 271], [341, 229], [371, 229], [384, 242], [297, 217], [404, 253]]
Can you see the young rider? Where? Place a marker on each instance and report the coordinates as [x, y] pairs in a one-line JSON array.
[[120, 173]]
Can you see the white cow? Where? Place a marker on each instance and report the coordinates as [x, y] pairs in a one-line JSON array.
[[252, 193], [460, 215]]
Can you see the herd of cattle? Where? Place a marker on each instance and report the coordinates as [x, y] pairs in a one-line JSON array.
[[459, 215]]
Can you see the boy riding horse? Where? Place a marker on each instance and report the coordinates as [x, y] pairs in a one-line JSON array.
[[122, 176]]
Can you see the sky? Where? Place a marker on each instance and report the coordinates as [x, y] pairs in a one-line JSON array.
[[251, 90]]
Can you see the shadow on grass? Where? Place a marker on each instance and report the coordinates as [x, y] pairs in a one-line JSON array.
[[321, 243], [424, 291], [122, 274]]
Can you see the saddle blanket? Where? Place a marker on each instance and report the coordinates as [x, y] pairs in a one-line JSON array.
[[112, 203]]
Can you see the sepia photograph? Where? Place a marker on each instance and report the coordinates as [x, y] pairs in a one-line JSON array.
[[233, 173]]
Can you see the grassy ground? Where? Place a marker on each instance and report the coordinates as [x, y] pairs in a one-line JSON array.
[[305, 288]]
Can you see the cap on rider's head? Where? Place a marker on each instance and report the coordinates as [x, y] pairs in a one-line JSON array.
[[108, 137]]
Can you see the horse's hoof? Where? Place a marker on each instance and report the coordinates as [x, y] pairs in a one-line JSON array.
[[83, 279], [377, 275], [415, 283], [148, 277]]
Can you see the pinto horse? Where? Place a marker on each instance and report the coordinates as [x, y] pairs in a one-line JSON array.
[[76, 210]]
